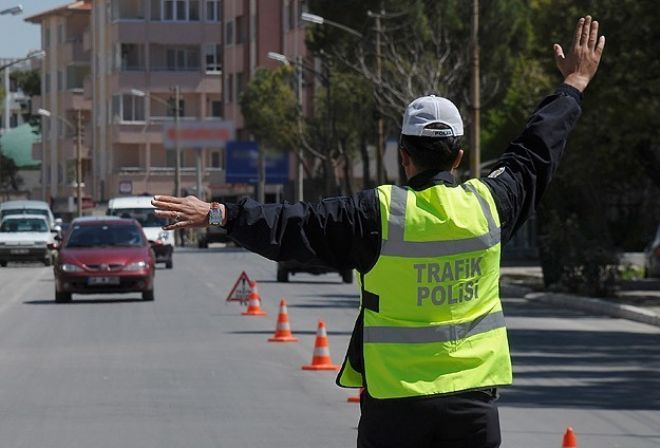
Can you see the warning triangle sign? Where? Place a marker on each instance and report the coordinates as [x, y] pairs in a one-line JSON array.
[[241, 289]]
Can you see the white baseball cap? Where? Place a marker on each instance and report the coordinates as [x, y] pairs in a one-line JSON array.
[[429, 110]]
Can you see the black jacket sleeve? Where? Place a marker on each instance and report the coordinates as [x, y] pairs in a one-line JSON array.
[[523, 173], [340, 232]]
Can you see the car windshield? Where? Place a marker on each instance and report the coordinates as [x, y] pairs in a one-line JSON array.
[[145, 216], [25, 211], [24, 225], [105, 235]]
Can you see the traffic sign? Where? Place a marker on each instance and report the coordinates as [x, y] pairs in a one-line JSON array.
[[241, 289], [243, 164]]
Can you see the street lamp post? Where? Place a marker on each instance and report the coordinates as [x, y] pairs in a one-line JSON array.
[[282, 59], [77, 128]]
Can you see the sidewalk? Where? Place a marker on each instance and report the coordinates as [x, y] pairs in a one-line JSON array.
[[637, 300]]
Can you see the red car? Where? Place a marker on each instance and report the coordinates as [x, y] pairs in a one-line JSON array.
[[104, 255]]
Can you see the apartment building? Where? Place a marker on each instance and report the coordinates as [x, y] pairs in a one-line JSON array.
[[64, 69], [119, 60]]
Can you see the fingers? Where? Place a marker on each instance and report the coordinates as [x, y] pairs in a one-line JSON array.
[[584, 37], [559, 52], [578, 32], [179, 225], [593, 35], [167, 214], [601, 45], [167, 205], [167, 199]]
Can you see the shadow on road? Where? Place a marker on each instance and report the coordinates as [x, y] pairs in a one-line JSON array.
[[581, 369], [84, 302], [325, 303], [296, 332]]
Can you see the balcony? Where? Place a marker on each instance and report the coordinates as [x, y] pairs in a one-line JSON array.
[[167, 33]]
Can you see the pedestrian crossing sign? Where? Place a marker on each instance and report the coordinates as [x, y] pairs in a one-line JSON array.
[[241, 289]]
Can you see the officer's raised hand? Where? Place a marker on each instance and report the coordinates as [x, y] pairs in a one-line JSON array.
[[580, 64]]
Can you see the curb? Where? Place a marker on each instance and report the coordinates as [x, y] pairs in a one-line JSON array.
[[598, 306]]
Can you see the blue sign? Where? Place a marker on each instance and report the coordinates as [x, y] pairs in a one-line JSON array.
[[243, 164]]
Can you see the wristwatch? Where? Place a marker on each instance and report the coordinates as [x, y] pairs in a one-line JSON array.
[[215, 214]]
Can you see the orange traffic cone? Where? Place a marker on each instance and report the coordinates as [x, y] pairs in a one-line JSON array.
[[254, 307], [283, 329], [356, 398], [570, 441], [321, 359]]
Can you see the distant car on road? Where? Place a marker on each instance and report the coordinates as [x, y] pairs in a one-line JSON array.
[[211, 234], [25, 238], [652, 257], [104, 255], [140, 209], [286, 268], [28, 208]]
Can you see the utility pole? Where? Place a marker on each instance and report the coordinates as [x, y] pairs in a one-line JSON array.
[[177, 145], [299, 92], [380, 172], [79, 179], [475, 96]]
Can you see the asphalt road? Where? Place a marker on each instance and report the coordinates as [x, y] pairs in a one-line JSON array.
[[188, 371]]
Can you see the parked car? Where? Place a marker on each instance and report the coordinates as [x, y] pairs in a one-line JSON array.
[[25, 238], [102, 255], [140, 209], [652, 257], [285, 268]]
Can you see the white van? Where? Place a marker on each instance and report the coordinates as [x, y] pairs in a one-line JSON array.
[[140, 209], [28, 208]]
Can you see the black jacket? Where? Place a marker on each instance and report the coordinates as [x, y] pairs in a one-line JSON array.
[[344, 232]]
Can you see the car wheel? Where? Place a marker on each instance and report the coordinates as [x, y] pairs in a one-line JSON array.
[[148, 296], [48, 261], [347, 276], [169, 264], [62, 297], [282, 275], [3, 264]]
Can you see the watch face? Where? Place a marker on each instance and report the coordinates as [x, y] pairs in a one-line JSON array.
[[215, 217]]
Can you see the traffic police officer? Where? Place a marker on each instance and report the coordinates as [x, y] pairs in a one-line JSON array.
[[430, 344]]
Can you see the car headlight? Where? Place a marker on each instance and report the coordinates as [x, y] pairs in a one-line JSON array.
[[66, 267], [136, 266]]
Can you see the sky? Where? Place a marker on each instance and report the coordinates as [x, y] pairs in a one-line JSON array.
[[18, 37]]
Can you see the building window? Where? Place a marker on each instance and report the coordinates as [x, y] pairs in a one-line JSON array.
[[213, 12], [240, 85], [213, 58], [182, 59], [60, 80], [128, 108], [229, 88], [241, 30], [131, 57], [179, 10], [229, 38], [46, 36], [127, 10], [215, 159], [182, 108], [216, 109], [60, 34]]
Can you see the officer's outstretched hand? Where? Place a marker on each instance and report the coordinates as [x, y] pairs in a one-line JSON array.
[[188, 212], [581, 62]]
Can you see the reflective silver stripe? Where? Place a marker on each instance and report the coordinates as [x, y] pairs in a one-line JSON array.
[[395, 246], [397, 219], [436, 333]]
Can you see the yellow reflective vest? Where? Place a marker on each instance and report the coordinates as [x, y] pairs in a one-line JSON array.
[[431, 318]]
